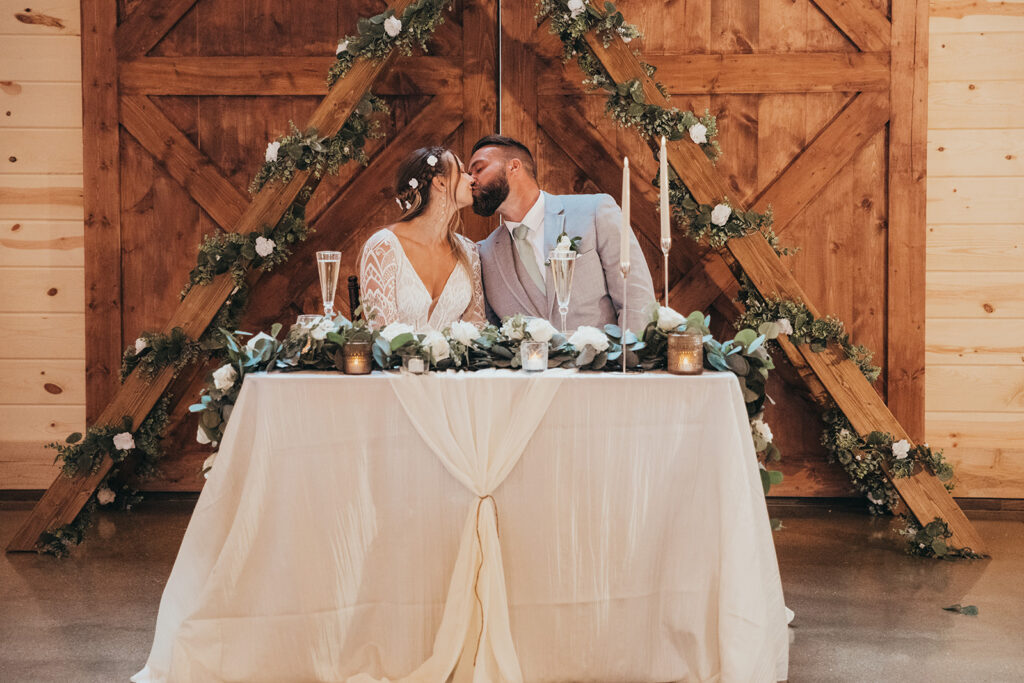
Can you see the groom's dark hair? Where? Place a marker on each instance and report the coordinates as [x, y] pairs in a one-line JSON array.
[[513, 150]]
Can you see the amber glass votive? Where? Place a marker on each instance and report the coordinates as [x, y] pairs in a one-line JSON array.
[[685, 353], [358, 358]]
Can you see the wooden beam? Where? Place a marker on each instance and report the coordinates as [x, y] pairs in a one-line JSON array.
[[247, 76], [689, 74], [923, 493], [908, 151], [193, 170], [862, 23], [480, 28], [519, 73], [147, 24]]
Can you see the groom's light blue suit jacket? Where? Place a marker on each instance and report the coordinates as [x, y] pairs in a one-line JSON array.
[[597, 296]]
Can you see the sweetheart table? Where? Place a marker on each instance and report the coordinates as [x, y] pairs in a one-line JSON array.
[[484, 526]]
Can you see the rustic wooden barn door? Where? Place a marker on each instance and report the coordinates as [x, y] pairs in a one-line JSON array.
[[199, 88], [807, 124]]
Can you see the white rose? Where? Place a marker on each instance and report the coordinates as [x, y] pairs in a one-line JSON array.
[[124, 441], [435, 342], [669, 319], [201, 436], [224, 377], [564, 244], [589, 336], [272, 148], [720, 214], [320, 330], [105, 496], [395, 329], [540, 330], [576, 8], [431, 161], [392, 26], [464, 332], [625, 34], [901, 449], [140, 345], [264, 247], [342, 47], [785, 327], [511, 330], [250, 345], [763, 430], [699, 133], [413, 183]]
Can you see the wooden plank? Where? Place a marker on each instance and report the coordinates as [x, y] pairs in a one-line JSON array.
[[45, 59], [196, 173], [965, 248], [33, 150], [833, 148], [35, 289], [923, 493], [981, 342], [975, 431], [908, 155], [975, 57], [41, 243], [978, 201], [700, 74], [519, 75], [971, 16], [984, 295], [862, 23], [977, 388], [978, 154], [966, 105], [45, 336], [24, 461], [263, 75], [479, 88], [40, 197], [147, 24], [43, 105], [58, 17], [25, 465], [991, 473], [42, 382]]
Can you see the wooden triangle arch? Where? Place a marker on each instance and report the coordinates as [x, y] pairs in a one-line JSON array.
[[829, 375]]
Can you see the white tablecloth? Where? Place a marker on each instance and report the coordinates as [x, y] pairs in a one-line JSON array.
[[633, 533]]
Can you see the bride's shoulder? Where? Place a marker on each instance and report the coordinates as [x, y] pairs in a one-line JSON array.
[[382, 239], [467, 244]]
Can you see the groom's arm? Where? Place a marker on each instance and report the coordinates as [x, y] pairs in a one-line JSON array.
[[640, 290]]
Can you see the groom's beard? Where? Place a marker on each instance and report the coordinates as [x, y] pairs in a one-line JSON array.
[[488, 198]]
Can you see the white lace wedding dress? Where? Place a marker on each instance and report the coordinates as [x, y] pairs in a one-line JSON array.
[[391, 288]]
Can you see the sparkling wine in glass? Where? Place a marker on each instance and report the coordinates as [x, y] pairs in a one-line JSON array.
[[562, 265], [328, 264]]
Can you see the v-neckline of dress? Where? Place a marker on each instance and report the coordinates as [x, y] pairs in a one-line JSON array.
[[433, 302]]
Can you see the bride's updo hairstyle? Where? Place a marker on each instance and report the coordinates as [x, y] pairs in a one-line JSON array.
[[414, 191]]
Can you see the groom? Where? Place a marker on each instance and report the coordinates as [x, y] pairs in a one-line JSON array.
[[512, 257]]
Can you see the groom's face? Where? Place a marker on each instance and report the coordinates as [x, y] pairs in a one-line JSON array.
[[490, 180]]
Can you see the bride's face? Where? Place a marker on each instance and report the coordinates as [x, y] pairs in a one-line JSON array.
[[464, 185]]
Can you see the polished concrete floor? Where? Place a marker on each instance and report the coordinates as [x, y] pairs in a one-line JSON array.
[[864, 610]]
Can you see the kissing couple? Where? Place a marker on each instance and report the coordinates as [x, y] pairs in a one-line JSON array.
[[423, 272]]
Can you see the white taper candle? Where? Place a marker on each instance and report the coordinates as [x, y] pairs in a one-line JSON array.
[[666, 233], [624, 242]]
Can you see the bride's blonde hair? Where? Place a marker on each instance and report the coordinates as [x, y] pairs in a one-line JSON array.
[[414, 189]]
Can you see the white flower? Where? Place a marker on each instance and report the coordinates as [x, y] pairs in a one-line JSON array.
[[320, 330], [513, 328], [625, 34], [540, 330], [140, 345], [250, 345], [431, 161], [586, 335], [392, 26], [464, 332], [576, 8], [264, 247], [763, 430], [435, 342], [699, 133], [105, 496], [785, 327], [901, 449], [408, 206], [395, 329], [399, 202], [201, 436], [272, 148], [124, 441], [413, 183], [564, 244], [720, 214], [669, 319], [876, 501], [342, 47], [224, 377]]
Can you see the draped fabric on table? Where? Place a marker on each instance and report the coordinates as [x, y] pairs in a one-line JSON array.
[[342, 531]]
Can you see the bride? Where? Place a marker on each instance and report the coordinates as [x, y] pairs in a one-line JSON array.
[[420, 270]]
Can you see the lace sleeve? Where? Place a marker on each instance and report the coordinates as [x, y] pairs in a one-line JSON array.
[[378, 280], [475, 312]]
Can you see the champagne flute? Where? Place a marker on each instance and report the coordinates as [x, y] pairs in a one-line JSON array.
[[562, 265], [328, 264]]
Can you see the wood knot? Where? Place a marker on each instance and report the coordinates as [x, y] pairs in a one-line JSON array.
[[942, 149], [988, 308], [53, 388], [16, 227], [972, 87], [52, 291]]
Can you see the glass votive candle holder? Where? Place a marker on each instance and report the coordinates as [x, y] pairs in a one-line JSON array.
[[534, 356], [414, 364], [685, 353], [358, 357], [307, 321]]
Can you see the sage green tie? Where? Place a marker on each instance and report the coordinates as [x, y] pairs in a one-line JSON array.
[[520, 233]]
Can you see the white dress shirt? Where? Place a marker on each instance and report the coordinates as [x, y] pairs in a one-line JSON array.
[[534, 220]]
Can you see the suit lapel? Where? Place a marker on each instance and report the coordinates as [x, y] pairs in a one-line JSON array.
[[554, 224], [505, 257]]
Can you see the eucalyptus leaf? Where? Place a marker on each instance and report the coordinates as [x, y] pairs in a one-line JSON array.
[[969, 610]]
